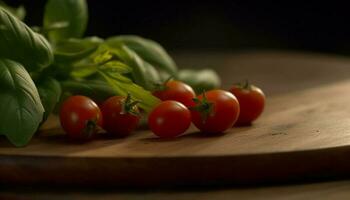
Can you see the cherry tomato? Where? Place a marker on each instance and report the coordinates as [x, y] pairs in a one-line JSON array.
[[215, 111], [169, 119], [177, 91], [251, 100], [120, 115], [80, 117]]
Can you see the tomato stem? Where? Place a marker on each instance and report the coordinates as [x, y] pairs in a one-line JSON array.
[[204, 107], [162, 85], [90, 129], [244, 85], [129, 106]]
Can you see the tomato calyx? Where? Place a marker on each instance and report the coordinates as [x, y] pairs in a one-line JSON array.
[[244, 85], [203, 106], [90, 129], [129, 106], [162, 86]]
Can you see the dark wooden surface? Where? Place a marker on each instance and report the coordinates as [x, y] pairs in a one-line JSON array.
[[337, 190], [303, 135]]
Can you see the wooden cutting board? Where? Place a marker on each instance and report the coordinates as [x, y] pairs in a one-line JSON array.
[[303, 134]]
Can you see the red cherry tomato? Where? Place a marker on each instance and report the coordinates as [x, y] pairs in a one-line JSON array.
[[177, 91], [215, 111], [120, 115], [169, 119], [80, 117], [251, 100]]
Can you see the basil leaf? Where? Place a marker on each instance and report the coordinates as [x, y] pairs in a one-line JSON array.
[[115, 67], [18, 42], [98, 90], [148, 50], [73, 50], [199, 80], [122, 60], [83, 71], [19, 12], [140, 69], [50, 91], [55, 26], [153, 75], [20, 107], [74, 12], [124, 86], [103, 61]]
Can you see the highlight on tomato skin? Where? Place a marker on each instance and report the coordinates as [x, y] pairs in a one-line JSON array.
[[80, 117], [252, 102], [169, 119], [176, 91], [215, 112], [121, 115]]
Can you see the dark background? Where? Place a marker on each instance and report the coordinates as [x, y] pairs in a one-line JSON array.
[[223, 25]]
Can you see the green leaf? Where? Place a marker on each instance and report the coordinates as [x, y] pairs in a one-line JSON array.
[[142, 72], [18, 42], [98, 90], [19, 12], [153, 75], [83, 71], [20, 107], [199, 80], [148, 50], [56, 25], [74, 12], [124, 86], [50, 91], [104, 61], [73, 50], [115, 67]]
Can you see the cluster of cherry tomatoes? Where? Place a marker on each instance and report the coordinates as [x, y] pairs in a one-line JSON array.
[[212, 112]]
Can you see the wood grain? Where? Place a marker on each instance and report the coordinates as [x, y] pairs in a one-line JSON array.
[[303, 134], [322, 191]]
